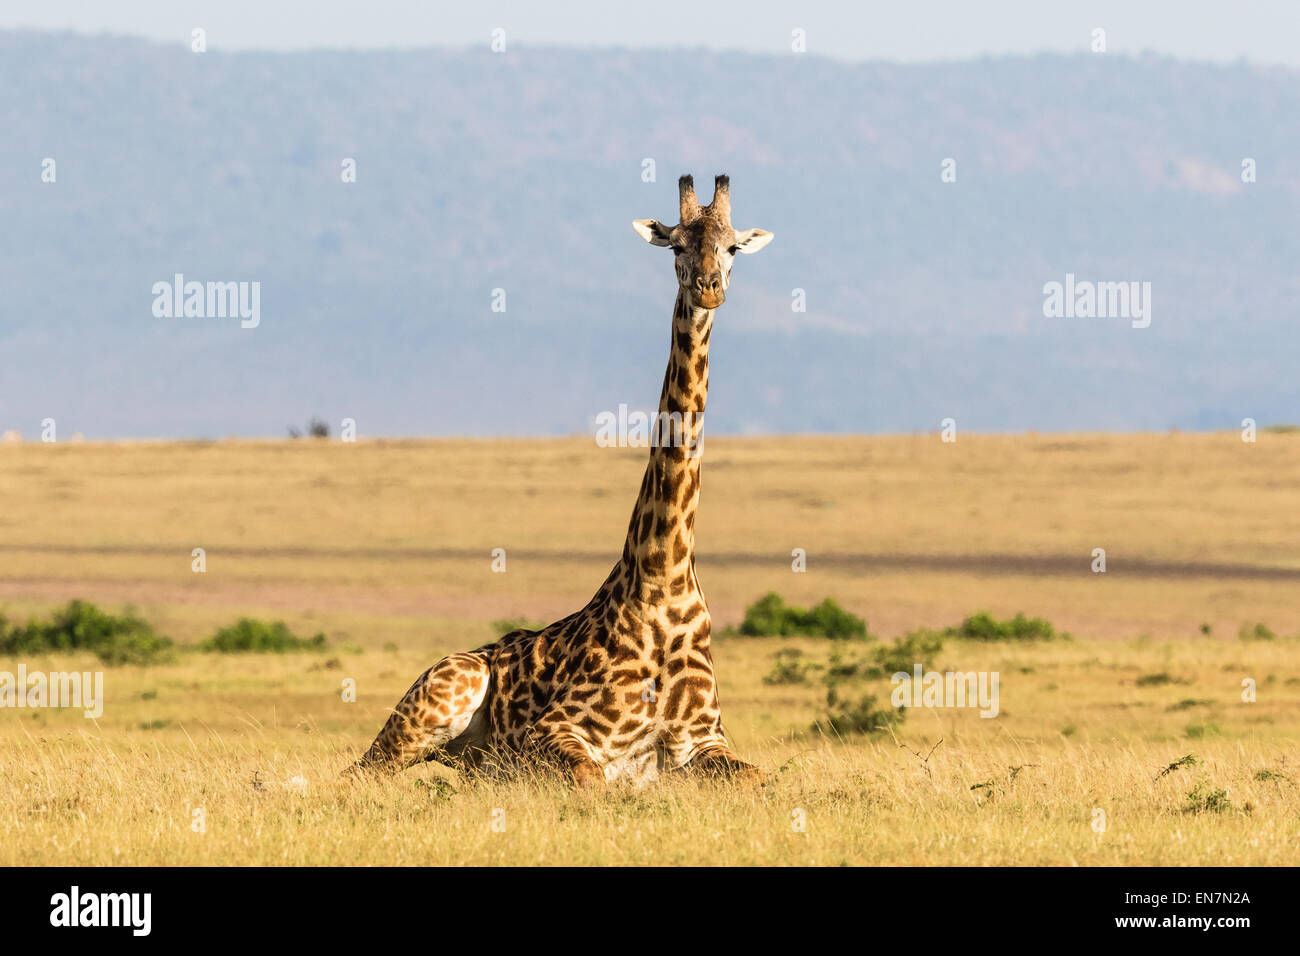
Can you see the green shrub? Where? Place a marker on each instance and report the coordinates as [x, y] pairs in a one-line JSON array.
[[81, 626], [790, 668], [1257, 633], [1206, 799], [844, 714], [985, 627], [1154, 680], [770, 616], [249, 635], [885, 660], [917, 647], [765, 617], [316, 428], [1267, 774], [1187, 703], [857, 716], [1187, 760]]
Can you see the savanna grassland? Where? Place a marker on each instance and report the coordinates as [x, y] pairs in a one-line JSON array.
[[386, 548]]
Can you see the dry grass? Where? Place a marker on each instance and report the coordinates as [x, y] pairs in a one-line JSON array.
[[386, 547], [229, 735], [88, 802], [406, 528]]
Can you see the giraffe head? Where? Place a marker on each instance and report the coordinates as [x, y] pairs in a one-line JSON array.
[[703, 242]]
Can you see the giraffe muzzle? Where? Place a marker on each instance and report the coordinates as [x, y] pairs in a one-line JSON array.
[[708, 293]]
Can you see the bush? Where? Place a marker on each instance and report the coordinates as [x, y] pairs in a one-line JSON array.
[[1267, 774], [860, 716], [917, 647], [259, 637], [81, 626], [1257, 633], [1204, 798], [316, 428], [985, 627], [1187, 760], [790, 668], [1154, 680], [770, 616], [856, 715]]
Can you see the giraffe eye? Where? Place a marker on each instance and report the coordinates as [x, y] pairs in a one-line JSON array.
[[733, 250]]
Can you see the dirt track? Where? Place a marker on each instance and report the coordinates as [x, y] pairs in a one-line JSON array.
[[979, 564], [446, 595]]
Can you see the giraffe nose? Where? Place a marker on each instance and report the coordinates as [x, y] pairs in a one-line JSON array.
[[710, 284]]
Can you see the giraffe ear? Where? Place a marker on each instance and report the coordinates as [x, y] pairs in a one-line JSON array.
[[653, 231], [751, 240]]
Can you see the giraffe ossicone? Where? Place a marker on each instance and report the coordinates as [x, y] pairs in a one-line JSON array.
[[623, 688]]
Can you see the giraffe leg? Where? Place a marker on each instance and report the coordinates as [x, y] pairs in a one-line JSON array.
[[695, 742], [717, 760], [575, 759], [441, 711], [706, 753]]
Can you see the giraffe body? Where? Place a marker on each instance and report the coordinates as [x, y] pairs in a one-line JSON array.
[[625, 692], [624, 688]]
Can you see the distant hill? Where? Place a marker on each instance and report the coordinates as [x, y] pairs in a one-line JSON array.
[[522, 171]]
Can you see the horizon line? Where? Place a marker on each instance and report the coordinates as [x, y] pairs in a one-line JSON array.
[[1144, 54], [1280, 428]]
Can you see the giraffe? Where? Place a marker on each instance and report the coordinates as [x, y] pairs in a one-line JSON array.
[[623, 688]]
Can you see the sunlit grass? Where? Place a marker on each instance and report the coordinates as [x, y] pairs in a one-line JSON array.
[[385, 548], [257, 745]]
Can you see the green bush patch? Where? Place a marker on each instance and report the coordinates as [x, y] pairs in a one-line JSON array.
[[251, 636], [789, 668], [1187, 703], [81, 626], [1206, 799], [1154, 680], [861, 715], [916, 647], [1256, 633], [770, 616], [1268, 774], [985, 627], [858, 714], [1187, 760]]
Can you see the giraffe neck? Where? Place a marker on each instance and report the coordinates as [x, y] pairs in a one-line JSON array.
[[659, 555]]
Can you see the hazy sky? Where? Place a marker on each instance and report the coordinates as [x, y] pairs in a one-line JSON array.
[[1265, 31]]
